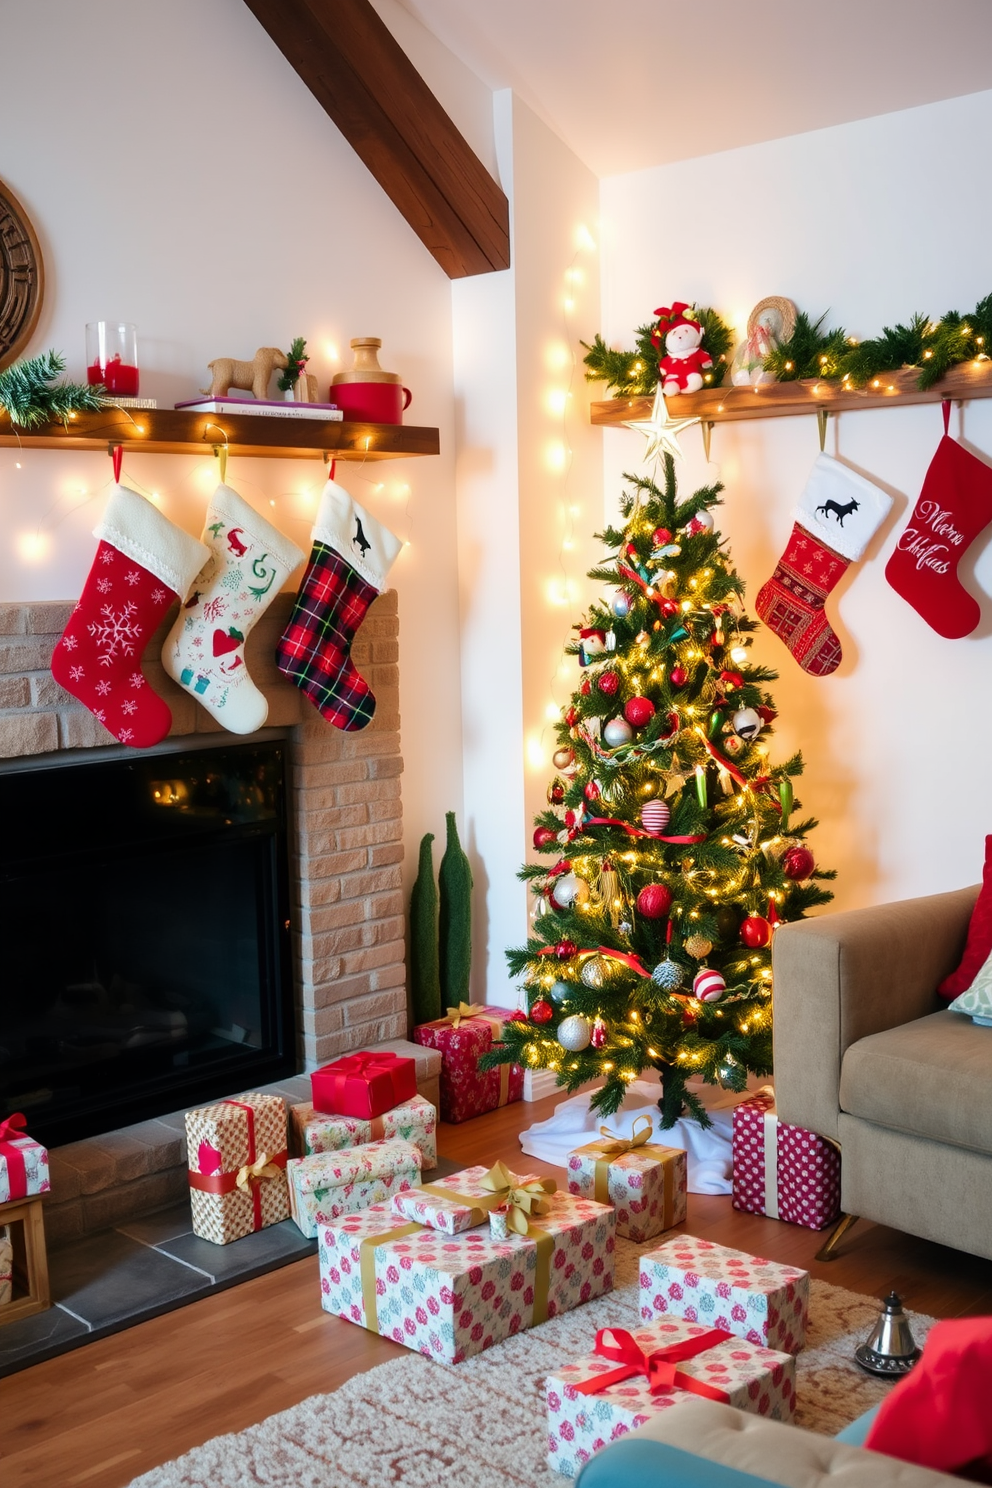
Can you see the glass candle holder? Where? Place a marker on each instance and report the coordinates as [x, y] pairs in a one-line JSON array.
[[112, 356]]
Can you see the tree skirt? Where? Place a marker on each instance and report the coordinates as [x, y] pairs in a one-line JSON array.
[[481, 1424]]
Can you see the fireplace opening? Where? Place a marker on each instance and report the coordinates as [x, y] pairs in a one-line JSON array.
[[144, 921]]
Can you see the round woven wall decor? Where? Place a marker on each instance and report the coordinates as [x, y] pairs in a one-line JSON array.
[[22, 277]]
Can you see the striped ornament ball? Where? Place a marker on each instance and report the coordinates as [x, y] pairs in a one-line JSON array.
[[655, 816], [708, 985]]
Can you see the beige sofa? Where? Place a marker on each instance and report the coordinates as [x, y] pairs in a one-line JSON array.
[[866, 1053]]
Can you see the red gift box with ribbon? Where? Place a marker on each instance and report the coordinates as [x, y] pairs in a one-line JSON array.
[[466, 1032], [23, 1161], [630, 1376], [364, 1085], [782, 1170], [237, 1166]]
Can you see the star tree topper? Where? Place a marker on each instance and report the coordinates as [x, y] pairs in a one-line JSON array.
[[660, 430]]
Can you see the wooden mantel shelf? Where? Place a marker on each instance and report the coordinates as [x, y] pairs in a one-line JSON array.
[[786, 399], [170, 431]]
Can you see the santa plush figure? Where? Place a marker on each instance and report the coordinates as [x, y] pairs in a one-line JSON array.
[[685, 360]]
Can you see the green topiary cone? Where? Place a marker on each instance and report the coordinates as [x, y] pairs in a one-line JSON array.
[[455, 921], [425, 981]]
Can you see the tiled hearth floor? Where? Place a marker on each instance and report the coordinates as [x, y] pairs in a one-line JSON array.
[[116, 1278]]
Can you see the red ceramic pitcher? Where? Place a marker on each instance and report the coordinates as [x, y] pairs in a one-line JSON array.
[[365, 392]]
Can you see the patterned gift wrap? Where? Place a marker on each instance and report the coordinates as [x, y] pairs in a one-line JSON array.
[[450, 1297], [581, 1420], [366, 1085], [331, 1184], [436, 1211], [6, 1266], [646, 1184], [759, 1300], [783, 1171], [467, 1032], [412, 1121], [23, 1162], [237, 1166]]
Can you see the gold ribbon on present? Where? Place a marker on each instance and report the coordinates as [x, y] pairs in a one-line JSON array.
[[256, 1171], [454, 1018], [614, 1145], [463, 1011], [522, 1196]]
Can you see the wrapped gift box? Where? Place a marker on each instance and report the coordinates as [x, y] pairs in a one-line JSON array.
[[427, 1061], [237, 1166], [365, 1085], [6, 1266], [783, 1171], [331, 1184], [23, 1162], [450, 1297], [435, 1209], [583, 1418], [759, 1300], [467, 1032], [412, 1121], [645, 1182]]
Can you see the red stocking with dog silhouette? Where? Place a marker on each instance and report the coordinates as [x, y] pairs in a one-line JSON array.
[[837, 516]]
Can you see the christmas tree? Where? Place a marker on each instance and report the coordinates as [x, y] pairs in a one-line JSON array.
[[675, 849]]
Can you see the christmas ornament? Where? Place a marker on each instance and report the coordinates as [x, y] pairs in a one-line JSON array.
[[728, 921], [638, 711], [608, 682], [593, 973], [625, 927], [541, 1012], [708, 985], [556, 793], [559, 992], [698, 946], [798, 863], [660, 536], [678, 676], [608, 892], [654, 901], [661, 431], [575, 1033], [542, 836], [349, 560], [642, 638], [569, 890], [142, 563], [598, 1036], [756, 932], [621, 605], [571, 717], [668, 608], [838, 514], [733, 745], [747, 723], [565, 950], [655, 816], [771, 322], [685, 359], [592, 642], [955, 504], [562, 758], [617, 732], [701, 522], [592, 790], [668, 975], [205, 650], [585, 687], [672, 726]]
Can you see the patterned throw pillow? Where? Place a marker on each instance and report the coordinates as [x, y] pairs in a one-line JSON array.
[[979, 943], [977, 1000]]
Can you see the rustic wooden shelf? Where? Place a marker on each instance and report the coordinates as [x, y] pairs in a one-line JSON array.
[[787, 399], [173, 431]]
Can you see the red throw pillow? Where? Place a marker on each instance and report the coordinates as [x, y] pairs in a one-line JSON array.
[[938, 1416], [979, 943]]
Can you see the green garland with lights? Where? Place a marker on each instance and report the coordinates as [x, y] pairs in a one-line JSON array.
[[634, 374], [601, 961], [30, 394]]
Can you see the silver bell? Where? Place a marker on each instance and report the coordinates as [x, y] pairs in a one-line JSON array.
[[890, 1349]]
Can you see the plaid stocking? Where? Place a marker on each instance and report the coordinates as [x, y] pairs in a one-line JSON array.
[[352, 553], [838, 514]]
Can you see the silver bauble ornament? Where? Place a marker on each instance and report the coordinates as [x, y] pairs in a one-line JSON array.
[[574, 1033], [668, 975], [593, 973], [569, 890], [618, 731], [559, 992], [562, 758], [747, 722], [620, 605]]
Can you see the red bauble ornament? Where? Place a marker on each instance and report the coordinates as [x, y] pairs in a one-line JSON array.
[[668, 607], [585, 687], [519, 1016], [654, 901], [556, 793], [631, 550], [543, 836], [731, 679], [660, 536], [798, 863], [678, 676], [638, 711], [591, 790], [608, 682], [565, 950], [541, 1012], [572, 717], [756, 932]]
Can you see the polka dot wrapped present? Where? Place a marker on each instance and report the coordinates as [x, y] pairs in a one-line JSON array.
[[329, 1184], [782, 1170], [412, 1120], [631, 1376], [645, 1182], [452, 1296], [758, 1300], [466, 1032], [237, 1166]]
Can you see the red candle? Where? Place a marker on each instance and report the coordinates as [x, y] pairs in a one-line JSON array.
[[117, 377]]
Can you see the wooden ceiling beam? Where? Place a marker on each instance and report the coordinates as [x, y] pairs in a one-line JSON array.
[[367, 84]]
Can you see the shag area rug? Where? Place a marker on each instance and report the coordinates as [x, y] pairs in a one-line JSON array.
[[481, 1424]]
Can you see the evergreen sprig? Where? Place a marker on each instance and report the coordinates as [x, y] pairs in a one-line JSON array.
[[30, 394], [809, 352], [634, 374], [296, 359]]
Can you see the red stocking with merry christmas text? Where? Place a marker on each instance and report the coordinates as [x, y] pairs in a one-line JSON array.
[[955, 504]]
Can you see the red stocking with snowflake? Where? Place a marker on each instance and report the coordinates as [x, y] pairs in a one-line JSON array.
[[142, 564]]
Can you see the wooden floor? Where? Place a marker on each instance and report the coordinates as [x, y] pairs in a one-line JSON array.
[[106, 1412]]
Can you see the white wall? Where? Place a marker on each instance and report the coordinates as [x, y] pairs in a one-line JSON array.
[[870, 221], [181, 176]]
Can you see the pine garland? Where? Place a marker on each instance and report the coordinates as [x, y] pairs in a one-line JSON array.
[[30, 395], [634, 374]]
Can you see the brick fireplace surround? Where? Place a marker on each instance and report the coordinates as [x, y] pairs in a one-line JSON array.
[[345, 869]]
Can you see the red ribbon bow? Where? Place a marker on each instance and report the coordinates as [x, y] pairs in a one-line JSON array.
[[658, 1366], [13, 1126]]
